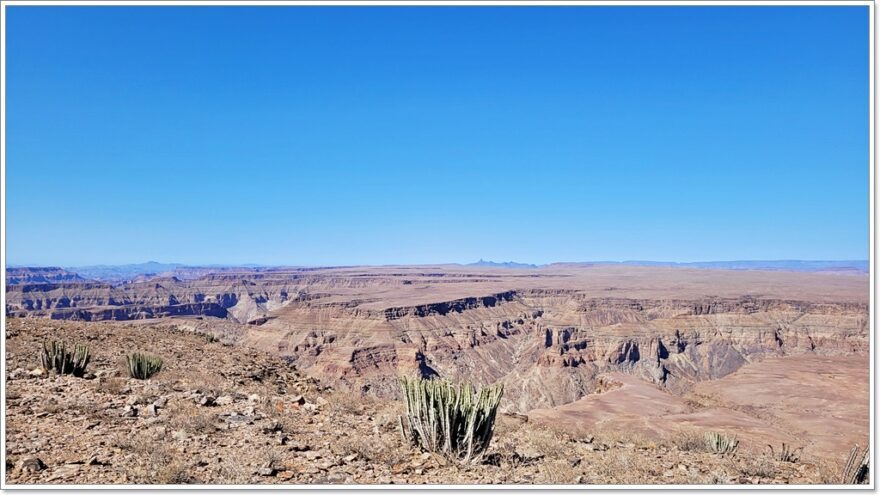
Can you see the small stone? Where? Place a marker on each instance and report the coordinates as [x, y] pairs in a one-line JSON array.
[[272, 427], [129, 412], [37, 372], [152, 410], [161, 402], [66, 471], [321, 401], [285, 475], [350, 458], [312, 455], [224, 400], [299, 399], [255, 398], [31, 465], [266, 471], [335, 478], [236, 419]]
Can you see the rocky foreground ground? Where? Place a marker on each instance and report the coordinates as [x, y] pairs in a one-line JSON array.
[[226, 414]]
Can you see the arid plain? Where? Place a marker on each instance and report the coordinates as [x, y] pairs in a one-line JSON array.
[[609, 373]]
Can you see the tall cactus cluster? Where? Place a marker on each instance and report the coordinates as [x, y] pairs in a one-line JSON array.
[[455, 421], [142, 366], [56, 357]]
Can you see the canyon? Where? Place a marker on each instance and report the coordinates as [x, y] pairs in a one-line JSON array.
[[583, 346]]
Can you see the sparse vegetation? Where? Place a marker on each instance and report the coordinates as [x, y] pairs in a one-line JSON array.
[[453, 420], [786, 453], [719, 443], [142, 366], [690, 441], [55, 357], [759, 466], [333, 436]]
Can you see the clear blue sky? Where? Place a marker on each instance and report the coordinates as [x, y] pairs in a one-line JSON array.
[[314, 136]]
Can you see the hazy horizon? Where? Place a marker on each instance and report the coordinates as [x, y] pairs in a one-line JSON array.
[[463, 263], [381, 135]]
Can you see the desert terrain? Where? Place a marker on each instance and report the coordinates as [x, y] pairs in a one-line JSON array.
[[611, 373]]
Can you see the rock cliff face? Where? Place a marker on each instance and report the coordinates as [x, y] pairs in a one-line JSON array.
[[547, 335], [548, 349]]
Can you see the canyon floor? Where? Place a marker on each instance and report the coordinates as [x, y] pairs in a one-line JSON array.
[[612, 375]]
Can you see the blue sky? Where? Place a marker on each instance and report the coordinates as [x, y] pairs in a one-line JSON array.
[[315, 136]]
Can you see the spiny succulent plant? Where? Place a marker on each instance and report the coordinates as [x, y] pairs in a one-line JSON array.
[[857, 467], [55, 357], [785, 453], [142, 366], [454, 420], [718, 443]]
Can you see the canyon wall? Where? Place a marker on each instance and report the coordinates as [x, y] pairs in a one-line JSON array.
[[546, 334]]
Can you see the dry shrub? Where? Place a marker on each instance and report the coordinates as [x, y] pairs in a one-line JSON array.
[[541, 441], [560, 472], [761, 466], [380, 449], [346, 402], [621, 466], [111, 386], [689, 441], [152, 463], [189, 417], [715, 477]]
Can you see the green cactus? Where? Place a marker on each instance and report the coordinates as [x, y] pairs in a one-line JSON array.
[[718, 443], [142, 366], [55, 357], [453, 420]]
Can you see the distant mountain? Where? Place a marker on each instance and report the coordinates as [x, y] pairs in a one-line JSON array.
[[507, 264], [152, 269], [848, 266], [125, 272], [40, 275]]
